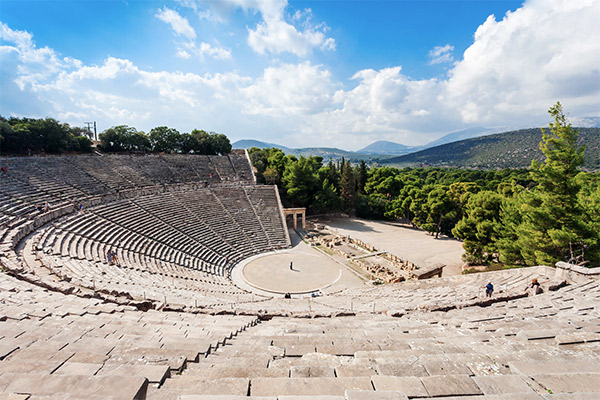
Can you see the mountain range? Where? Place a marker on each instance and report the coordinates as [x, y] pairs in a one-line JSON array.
[[514, 149], [470, 148]]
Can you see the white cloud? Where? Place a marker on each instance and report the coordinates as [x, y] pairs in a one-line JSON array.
[[441, 54], [290, 91], [277, 32], [519, 66], [207, 50], [179, 24], [183, 54], [275, 35]]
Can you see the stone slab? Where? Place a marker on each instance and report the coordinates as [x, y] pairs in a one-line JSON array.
[[509, 396], [174, 359], [305, 371], [75, 368], [450, 385], [307, 386], [570, 383], [572, 396], [553, 367], [446, 368], [26, 366], [311, 398], [501, 384], [370, 395], [299, 350], [12, 396], [222, 397], [224, 371], [409, 385], [154, 373], [194, 385], [355, 370], [537, 334], [113, 387], [401, 369]]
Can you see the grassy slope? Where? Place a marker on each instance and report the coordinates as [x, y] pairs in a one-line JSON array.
[[503, 150]]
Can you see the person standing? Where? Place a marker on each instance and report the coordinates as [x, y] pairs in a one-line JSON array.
[[489, 289]]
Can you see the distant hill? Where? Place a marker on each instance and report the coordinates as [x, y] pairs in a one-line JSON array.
[[514, 149], [249, 143], [461, 135], [326, 152], [393, 148], [385, 147]]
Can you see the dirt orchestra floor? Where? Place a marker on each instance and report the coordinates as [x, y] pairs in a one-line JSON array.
[[312, 270]]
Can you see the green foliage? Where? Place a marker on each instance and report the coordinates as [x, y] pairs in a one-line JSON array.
[[270, 159], [543, 225], [348, 186], [22, 135], [326, 199], [478, 228], [123, 138], [370, 206], [84, 144], [440, 210], [300, 181], [163, 139]]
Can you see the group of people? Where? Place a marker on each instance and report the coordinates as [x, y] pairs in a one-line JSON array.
[[534, 288], [43, 207], [111, 257]]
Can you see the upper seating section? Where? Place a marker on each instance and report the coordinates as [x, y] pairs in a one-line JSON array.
[[61, 180], [90, 174]]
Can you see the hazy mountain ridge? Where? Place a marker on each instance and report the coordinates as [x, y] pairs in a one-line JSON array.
[[514, 149], [387, 148], [325, 152]]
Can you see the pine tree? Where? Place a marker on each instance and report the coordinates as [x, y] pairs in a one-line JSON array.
[[552, 217]]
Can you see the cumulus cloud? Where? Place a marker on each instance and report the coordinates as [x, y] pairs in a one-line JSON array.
[[290, 90], [518, 66], [441, 54], [179, 24], [277, 32], [276, 35]]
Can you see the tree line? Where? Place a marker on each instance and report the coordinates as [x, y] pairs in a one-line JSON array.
[[26, 135], [164, 140], [541, 215], [29, 135]]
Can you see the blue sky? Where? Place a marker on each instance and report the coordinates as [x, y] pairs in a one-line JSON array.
[[301, 73]]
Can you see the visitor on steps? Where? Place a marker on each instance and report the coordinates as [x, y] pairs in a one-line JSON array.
[[489, 289], [534, 288]]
